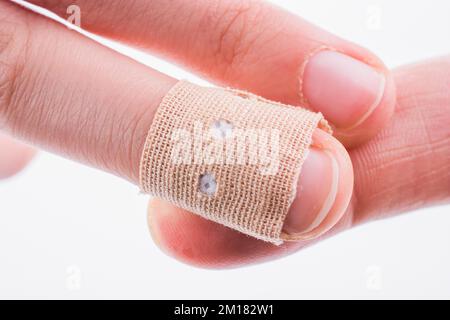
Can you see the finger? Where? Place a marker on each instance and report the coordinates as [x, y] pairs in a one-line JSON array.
[[408, 166], [323, 193], [14, 156], [404, 168], [202, 243], [70, 95], [88, 102], [258, 47]]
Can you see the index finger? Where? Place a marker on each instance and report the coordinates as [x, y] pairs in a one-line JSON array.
[[92, 104], [258, 47]]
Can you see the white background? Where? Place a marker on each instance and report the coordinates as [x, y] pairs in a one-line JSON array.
[[68, 231]]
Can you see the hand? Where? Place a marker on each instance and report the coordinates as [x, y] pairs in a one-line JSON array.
[[405, 167], [71, 95]]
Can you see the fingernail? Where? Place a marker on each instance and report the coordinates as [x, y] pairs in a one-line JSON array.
[[316, 193], [345, 90]]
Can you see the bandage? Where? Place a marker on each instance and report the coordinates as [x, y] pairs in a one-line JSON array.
[[229, 156]]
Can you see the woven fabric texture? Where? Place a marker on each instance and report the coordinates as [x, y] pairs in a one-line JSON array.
[[229, 156]]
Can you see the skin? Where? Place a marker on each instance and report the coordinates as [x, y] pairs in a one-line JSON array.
[[15, 156], [249, 44], [70, 95], [393, 175]]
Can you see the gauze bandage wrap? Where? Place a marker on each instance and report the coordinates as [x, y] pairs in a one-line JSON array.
[[228, 156]]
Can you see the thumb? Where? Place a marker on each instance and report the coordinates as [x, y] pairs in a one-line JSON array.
[[405, 167]]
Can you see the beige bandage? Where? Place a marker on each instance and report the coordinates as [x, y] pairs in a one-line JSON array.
[[229, 156]]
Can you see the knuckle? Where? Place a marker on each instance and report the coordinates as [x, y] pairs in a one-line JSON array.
[[238, 31]]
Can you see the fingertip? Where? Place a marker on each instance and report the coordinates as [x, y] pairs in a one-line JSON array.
[[324, 190], [15, 156], [355, 92], [198, 242], [376, 121]]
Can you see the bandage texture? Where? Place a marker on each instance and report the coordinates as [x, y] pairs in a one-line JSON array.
[[229, 156]]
